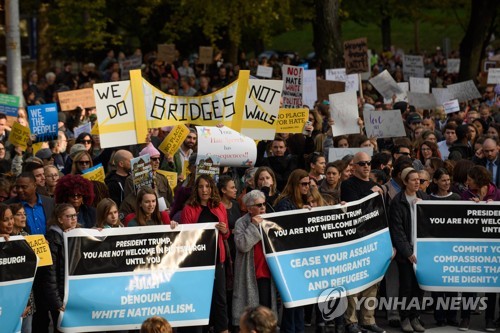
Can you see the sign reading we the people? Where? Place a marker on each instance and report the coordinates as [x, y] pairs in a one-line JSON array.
[[122, 276], [43, 122], [457, 246], [346, 246]]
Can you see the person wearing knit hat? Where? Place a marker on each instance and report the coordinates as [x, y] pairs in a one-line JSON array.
[[401, 210], [75, 149], [151, 150]]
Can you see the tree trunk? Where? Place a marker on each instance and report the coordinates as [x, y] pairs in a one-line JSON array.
[[416, 35], [385, 28], [327, 39], [44, 51], [482, 16]]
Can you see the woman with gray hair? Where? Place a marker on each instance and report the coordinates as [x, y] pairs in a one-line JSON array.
[[252, 278]]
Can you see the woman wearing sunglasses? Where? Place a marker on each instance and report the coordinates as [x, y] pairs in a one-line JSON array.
[[79, 193], [252, 279], [86, 140], [81, 162]]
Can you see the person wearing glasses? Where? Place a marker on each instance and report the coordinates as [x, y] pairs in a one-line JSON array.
[[253, 285], [86, 140], [79, 192], [51, 178], [51, 283], [293, 196], [355, 188], [81, 162]]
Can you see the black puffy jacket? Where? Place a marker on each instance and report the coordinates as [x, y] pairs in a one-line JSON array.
[[52, 277]]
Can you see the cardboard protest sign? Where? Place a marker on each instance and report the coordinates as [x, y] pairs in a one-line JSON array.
[[309, 88], [84, 128], [441, 95], [335, 154], [457, 246], [126, 275], [134, 62], [95, 173], [413, 66], [115, 114], [420, 85], [453, 66], [292, 120], [344, 111], [18, 262], [422, 101], [40, 246], [141, 172], [402, 97], [9, 104], [345, 246], [451, 106], [43, 122], [206, 55], [326, 88], [174, 140], [264, 71], [356, 56], [385, 85], [69, 100], [262, 105], [167, 53], [384, 124], [293, 78], [19, 135], [493, 76], [233, 148], [464, 91], [339, 74]]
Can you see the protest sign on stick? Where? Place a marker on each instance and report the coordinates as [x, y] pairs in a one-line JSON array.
[[344, 111], [43, 122], [356, 56], [384, 124], [385, 85], [69, 100], [413, 66], [293, 78]]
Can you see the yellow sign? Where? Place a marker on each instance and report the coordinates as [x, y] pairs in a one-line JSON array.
[[174, 140], [19, 135], [171, 176], [37, 146], [95, 173], [41, 249], [95, 130], [292, 120]]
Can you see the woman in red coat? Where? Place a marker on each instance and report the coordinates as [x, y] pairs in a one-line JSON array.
[[203, 206]]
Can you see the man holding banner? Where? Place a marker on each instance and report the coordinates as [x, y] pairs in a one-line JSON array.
[[356, 188]]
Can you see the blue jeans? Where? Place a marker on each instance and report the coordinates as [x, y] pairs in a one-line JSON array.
[[292, 320]]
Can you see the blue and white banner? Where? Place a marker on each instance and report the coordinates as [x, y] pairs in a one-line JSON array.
[[43, 122], [457, 245], [309, 251], [17, 271], [116, 278]]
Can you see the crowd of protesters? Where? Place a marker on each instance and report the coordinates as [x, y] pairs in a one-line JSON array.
[[442, 157]]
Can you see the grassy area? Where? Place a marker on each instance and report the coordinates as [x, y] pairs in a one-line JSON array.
[[433, 28]]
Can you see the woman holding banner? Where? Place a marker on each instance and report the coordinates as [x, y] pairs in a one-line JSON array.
[[204, 205], [294, 196], [147, 211], [401, 210], [252, 278]]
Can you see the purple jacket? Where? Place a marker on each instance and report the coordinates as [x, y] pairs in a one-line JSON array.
[[493, 194]]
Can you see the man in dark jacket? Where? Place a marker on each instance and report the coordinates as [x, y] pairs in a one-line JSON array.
[[116, 178], [461, 149], [352, 189]]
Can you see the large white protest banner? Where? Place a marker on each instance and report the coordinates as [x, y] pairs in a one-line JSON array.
[[344, 111], [442, 95], [419, 85], [453, 66], [386, 85], [493, 76], [413, 66], [115, 113], [335, 154], [293, 78], [309, 88], [464, 91], [262, 106], [339, 74], [233, 148], [421, 100], [384, 124]]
